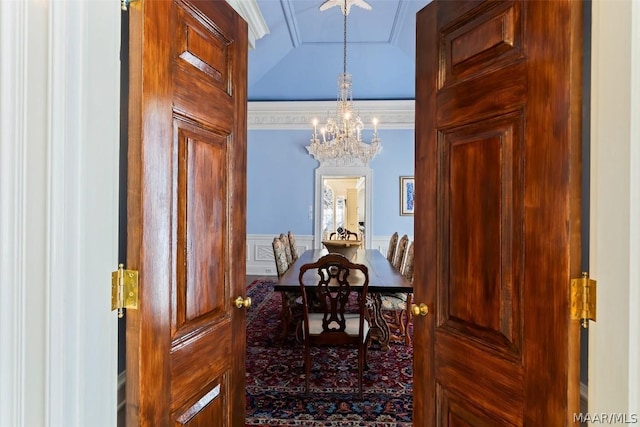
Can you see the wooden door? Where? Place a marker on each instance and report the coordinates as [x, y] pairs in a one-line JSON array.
[[186, 213], [497, 222]]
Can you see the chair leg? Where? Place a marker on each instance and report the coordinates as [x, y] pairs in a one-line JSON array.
[[285, 315], [407, 320], [399, 321]]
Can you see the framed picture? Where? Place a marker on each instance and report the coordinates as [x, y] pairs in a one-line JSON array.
[[407, 195]]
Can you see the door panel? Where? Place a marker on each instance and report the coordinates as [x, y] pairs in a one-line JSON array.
[[498, 175], [186, 213]]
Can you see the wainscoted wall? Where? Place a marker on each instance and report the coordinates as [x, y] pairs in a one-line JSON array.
[[260, 252]]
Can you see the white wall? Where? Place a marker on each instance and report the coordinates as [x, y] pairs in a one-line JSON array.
[[614, 341], [59, 112]]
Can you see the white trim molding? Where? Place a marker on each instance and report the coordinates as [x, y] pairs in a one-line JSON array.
[[614, 248], [13, 170], [59, 130], [298, 115], [260, 260], [260, 252], [250, 12]]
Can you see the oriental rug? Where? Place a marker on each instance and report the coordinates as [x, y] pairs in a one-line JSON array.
[[275, 376]]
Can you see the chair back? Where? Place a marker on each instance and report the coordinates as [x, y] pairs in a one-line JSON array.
[[402, 247], [407, 264], [287, 247], [332, 290], [393, 243], [292, 245], [279, 256]]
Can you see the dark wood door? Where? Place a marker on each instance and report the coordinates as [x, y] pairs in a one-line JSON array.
[[498, 110], [186, 213]]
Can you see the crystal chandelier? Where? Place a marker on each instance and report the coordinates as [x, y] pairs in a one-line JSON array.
[[341, 142]]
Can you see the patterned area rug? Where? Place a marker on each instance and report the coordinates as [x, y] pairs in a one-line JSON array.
[[275, 377]]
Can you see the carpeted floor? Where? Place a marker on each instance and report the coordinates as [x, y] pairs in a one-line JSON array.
[[275, 377]]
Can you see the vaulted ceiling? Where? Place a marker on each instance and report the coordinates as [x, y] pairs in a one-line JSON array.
[[301, 56]]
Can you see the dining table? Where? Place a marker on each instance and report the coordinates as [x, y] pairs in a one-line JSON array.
[[384, 278]]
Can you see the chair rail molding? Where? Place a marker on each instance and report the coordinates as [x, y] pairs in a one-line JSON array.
[[259, 251]]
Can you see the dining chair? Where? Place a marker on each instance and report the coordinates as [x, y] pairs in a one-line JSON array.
[[393, 243], [399, 256], [332, 324], [292, 244], [396, 307], [287, 247], [289, 297]]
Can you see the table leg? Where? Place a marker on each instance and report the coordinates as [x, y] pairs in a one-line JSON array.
[[379, 328]]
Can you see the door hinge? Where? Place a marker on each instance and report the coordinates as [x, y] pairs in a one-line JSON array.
[[124, 289], [583, 299], [124, 4]]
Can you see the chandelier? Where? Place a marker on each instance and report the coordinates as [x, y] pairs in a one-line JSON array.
[[341, 143]]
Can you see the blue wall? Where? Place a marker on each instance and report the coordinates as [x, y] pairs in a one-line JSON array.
[[281, 182]]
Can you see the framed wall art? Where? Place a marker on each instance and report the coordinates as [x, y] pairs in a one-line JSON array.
[[407, 195]]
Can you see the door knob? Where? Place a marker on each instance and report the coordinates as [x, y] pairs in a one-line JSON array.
[[243, 302], [420, 310]]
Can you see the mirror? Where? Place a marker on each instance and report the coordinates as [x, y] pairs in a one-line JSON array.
[[343, 199]]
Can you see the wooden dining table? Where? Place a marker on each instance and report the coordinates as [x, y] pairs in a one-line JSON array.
[[384, 278]]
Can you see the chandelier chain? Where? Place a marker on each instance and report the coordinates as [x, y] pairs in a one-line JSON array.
[[344, 49]]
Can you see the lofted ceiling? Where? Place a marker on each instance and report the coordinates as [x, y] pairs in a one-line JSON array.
[[300, 56]]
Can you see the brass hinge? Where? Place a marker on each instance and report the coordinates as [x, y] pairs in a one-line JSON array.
[[583, 299], [124, 4], [124, 289]]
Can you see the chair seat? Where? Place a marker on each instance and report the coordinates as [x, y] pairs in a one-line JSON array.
[[397, 301], [352, 326]]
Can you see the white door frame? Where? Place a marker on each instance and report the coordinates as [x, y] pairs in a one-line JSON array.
[[59, 128], [614, 250]]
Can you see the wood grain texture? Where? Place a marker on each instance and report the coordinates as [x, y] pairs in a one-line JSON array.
[[186, 197], [498, 176]]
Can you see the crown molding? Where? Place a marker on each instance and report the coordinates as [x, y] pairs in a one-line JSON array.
[[250, 12], [298, 115]]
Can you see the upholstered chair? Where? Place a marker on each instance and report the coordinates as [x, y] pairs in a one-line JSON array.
[[287, 247], [288, 298], [292, 245], [399, 256], [393, 243], [396, 307], [282, 265]]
